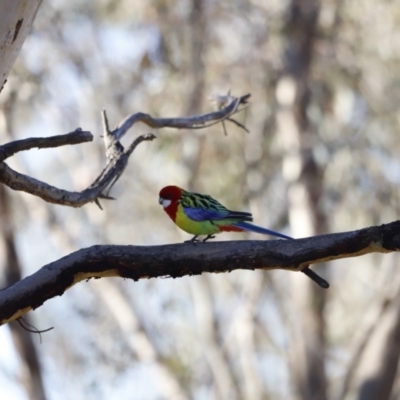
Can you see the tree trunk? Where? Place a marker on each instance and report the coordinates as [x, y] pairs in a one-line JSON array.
[[304, 191], [378, 366], [31, 371], [16, 18]]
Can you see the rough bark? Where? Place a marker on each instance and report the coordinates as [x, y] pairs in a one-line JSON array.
[[139, 262]]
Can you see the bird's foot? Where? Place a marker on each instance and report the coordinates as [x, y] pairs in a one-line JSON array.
[[209, 237], [192, 240]]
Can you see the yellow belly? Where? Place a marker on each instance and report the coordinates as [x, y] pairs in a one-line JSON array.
[[194, 227]]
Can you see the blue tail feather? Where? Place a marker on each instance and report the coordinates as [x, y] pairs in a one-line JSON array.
[[258, 229]]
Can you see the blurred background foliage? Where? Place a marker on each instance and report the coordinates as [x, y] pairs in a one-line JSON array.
[[228, 336]]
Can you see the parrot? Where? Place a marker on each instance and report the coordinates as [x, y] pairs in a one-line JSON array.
[[200, 214]]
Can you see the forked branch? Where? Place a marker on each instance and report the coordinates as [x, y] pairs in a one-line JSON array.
[[117, 156]]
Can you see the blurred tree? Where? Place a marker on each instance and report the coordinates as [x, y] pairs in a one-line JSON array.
[[305, 187]]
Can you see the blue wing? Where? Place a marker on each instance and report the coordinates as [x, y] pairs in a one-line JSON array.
[[201, 214], [200, 207]]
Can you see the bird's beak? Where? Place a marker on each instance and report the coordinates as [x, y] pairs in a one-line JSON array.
[[160, 200]]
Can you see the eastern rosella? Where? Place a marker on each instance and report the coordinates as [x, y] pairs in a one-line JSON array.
[[200, 214]]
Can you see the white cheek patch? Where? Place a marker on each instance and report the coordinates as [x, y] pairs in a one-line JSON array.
[[165, 203]]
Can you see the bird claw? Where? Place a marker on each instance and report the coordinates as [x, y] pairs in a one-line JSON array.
[[192, 240], [195, 240]]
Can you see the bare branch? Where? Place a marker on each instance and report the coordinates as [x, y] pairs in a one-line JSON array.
[[118, 160], [76, 137], [117, 157], [139, 262], [138, 140], [106, 126], [109, 138], [238, 124], [196, 122], [51, 194]]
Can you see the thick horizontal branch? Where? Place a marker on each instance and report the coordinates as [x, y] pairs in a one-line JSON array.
[[177, 260]]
